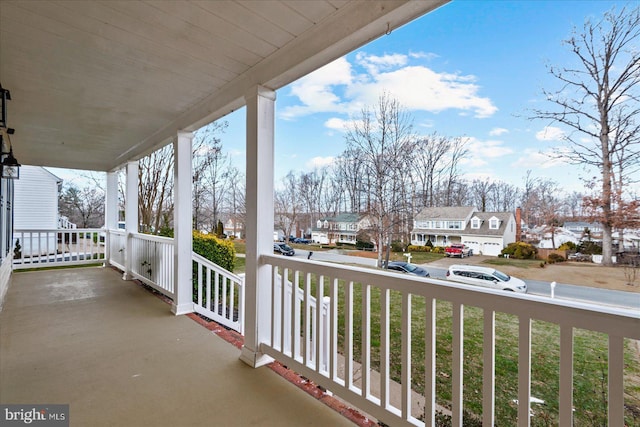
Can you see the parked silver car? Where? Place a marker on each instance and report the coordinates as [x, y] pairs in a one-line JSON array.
[[485, 276]]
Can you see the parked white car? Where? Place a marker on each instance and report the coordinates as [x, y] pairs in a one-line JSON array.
[[485, 276]]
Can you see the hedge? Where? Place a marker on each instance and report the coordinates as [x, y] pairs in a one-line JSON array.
[[218, 251]]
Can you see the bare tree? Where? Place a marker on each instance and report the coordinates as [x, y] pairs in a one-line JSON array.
[[380, 140], [155, 186], [84, 207], [288, 205], [503, 197], [429, 152], [480, 191], [451, 183], [599, 100]]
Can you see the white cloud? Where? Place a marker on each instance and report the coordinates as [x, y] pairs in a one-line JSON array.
[[498, 131], [534, 159], [336, 123], [315, 91], [550, 133], [338, 88], [487, 149], [420, 88], [373, 63], [319, 162]]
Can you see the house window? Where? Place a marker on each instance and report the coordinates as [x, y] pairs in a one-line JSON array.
[[493, 223], [438, 224], [455, 225], [475, 223]]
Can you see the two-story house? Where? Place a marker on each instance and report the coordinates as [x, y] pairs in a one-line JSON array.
[[342, 228], [486, 233]]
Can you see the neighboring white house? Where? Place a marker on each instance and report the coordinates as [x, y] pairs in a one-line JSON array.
[[560, 235], [486, 233], [36, 208], [342, 228]]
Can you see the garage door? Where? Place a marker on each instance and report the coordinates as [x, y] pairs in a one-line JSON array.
[[474, 246], [491, 249]]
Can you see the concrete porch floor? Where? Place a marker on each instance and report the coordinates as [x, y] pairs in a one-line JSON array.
[[118, 357]]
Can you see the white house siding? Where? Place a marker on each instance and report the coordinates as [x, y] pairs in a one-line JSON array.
[[36, 205]]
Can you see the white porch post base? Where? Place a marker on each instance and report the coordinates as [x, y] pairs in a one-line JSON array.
[[179, 309], [254, 358]]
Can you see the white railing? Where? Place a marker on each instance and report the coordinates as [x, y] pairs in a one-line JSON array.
[[218, 294], [63, 222], [152, 261], [363, 336], [117, 241], [48, 248]]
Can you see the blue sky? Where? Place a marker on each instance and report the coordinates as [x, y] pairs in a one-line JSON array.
[[469, 69]]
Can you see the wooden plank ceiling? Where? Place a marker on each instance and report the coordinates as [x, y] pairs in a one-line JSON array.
[[97, 83]]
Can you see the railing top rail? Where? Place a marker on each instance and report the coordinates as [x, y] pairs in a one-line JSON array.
[[213, 266], [152, 238], [611, 320], [58, 230]]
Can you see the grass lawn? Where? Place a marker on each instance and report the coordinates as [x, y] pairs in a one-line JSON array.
[[590, 361], [520, 263]]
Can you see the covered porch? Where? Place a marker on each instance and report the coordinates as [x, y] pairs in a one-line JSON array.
[[99, 85], [114, 352]]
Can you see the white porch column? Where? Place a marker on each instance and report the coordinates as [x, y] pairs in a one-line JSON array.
[[182, 225], [130, 215], [110, 212], [259, 204]]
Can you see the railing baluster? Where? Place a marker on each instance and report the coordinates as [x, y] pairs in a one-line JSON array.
[[282, 315], [616, 381], [384, 348], [348, 335], [319, 324], [524, 371], [307, 320], [457, 365], [566, 376], [489, 368], [430, 362], [199, 296], [333, 330], [366, 340], [406, 356], [295, 316]]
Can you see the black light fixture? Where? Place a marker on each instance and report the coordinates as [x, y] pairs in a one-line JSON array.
[[10, 166], [5, 96]]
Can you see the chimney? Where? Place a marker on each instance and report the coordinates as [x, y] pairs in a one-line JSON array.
[[518, 224]]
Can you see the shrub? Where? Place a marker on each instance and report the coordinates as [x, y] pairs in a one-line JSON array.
[[398, 246], [429, 243], [553, 258], [416, 248], [438, 249], [567, 246], [362, 244], [520, 250], [221, 252], [589, 248]]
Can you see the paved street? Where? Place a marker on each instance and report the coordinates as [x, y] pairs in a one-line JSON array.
[[562, 290]]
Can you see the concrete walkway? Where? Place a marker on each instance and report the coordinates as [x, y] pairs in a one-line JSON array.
[[118, 357]]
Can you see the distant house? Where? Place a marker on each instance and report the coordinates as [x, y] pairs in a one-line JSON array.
[[486, 233], [579, 227], [36, 207], [234, 227], [342, 228], [560, 235]]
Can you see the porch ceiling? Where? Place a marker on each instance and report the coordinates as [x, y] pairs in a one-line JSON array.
[[97, 83]]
